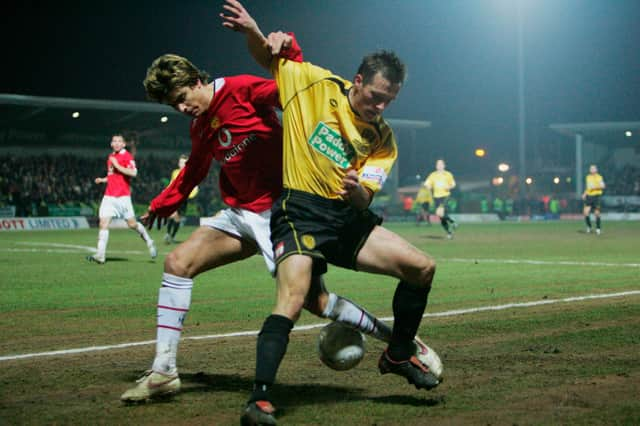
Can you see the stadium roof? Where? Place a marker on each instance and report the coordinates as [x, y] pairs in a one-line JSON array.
[[595, 129], [50, 119], [24, 116]]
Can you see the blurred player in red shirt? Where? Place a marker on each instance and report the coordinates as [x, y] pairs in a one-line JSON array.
[[116, 202]]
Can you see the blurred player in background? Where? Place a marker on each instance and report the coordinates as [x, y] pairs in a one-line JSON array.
[[423, 200], [594, 186], [441, 182], [116, 202], [173, 223], [337, 152], [234, 121]]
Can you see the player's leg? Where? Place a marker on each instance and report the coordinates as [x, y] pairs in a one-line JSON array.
[[176, 226], [139, 228], [386, 253], [207, 248], [293, 281], [596, 213], [324, 304], [443, 221], [105, 213], [170, 224], [586, 211], [103, 240]]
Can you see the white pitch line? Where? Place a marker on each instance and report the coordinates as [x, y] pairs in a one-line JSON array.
[[26, 243], [454, 312], [542, 262], [69, 248]]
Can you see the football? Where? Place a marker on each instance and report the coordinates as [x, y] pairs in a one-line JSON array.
[[340, 347], [429, 358]]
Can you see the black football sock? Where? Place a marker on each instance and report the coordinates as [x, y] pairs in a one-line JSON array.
[[597, 222], [444, 223], [176, 226], [409, 303], [587, 219], [272, 345]]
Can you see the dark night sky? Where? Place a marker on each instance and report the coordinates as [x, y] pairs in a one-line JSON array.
[[581, 56]]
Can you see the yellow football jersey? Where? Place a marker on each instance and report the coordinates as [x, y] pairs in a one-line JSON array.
[[194, 191], [595, 184], [440, 182], [323, 137], [424, 195]]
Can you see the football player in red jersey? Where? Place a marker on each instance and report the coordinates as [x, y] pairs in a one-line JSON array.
[[234, 122], [116, 202]]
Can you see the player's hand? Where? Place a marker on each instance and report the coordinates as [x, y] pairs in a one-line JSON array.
[[352, 192], [239, 19], [114, 161], [148, 218], [278, 41]]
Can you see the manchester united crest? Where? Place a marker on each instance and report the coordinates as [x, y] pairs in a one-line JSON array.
[[215, 122]]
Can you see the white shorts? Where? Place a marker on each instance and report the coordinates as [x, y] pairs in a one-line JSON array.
[[116, 207], [247, 225]]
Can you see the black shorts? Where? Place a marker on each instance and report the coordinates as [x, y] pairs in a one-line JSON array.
[[592, 201], [425, 206], [440, 201], [329, 231]]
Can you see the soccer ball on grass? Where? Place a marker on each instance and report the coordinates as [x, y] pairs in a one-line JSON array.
[[340, 347]]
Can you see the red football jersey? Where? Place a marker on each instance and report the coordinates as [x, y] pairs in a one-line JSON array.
[[242, 132], [118, 184]]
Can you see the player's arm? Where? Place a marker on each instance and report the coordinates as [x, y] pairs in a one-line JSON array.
[[238, 19], [128, 171], [100, 180], [452, 184]]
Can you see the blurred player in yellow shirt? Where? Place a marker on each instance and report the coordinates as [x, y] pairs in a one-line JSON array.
[[173, 222], [441, 182], [423, 200], [591, 196]]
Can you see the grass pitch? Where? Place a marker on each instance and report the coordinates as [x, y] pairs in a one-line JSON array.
[[559, 360]]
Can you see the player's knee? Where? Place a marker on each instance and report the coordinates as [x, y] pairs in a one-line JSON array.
[[177, 265], [427, 271]]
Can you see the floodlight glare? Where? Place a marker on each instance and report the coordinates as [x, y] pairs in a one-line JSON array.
[[528, 181], [480, 152], [75, 114], [556, 180], [628, 133], [164, 119], [503, 167]]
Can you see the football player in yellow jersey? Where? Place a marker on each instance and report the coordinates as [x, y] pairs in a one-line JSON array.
[[441, 182], [591, 196], [173, 222], [337, 152], [423, 200]]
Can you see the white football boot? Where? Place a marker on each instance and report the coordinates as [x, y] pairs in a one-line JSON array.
[[150, 385]]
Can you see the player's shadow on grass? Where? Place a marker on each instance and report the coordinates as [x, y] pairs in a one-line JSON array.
[[433, 237], [297, 395], [116, 259]]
